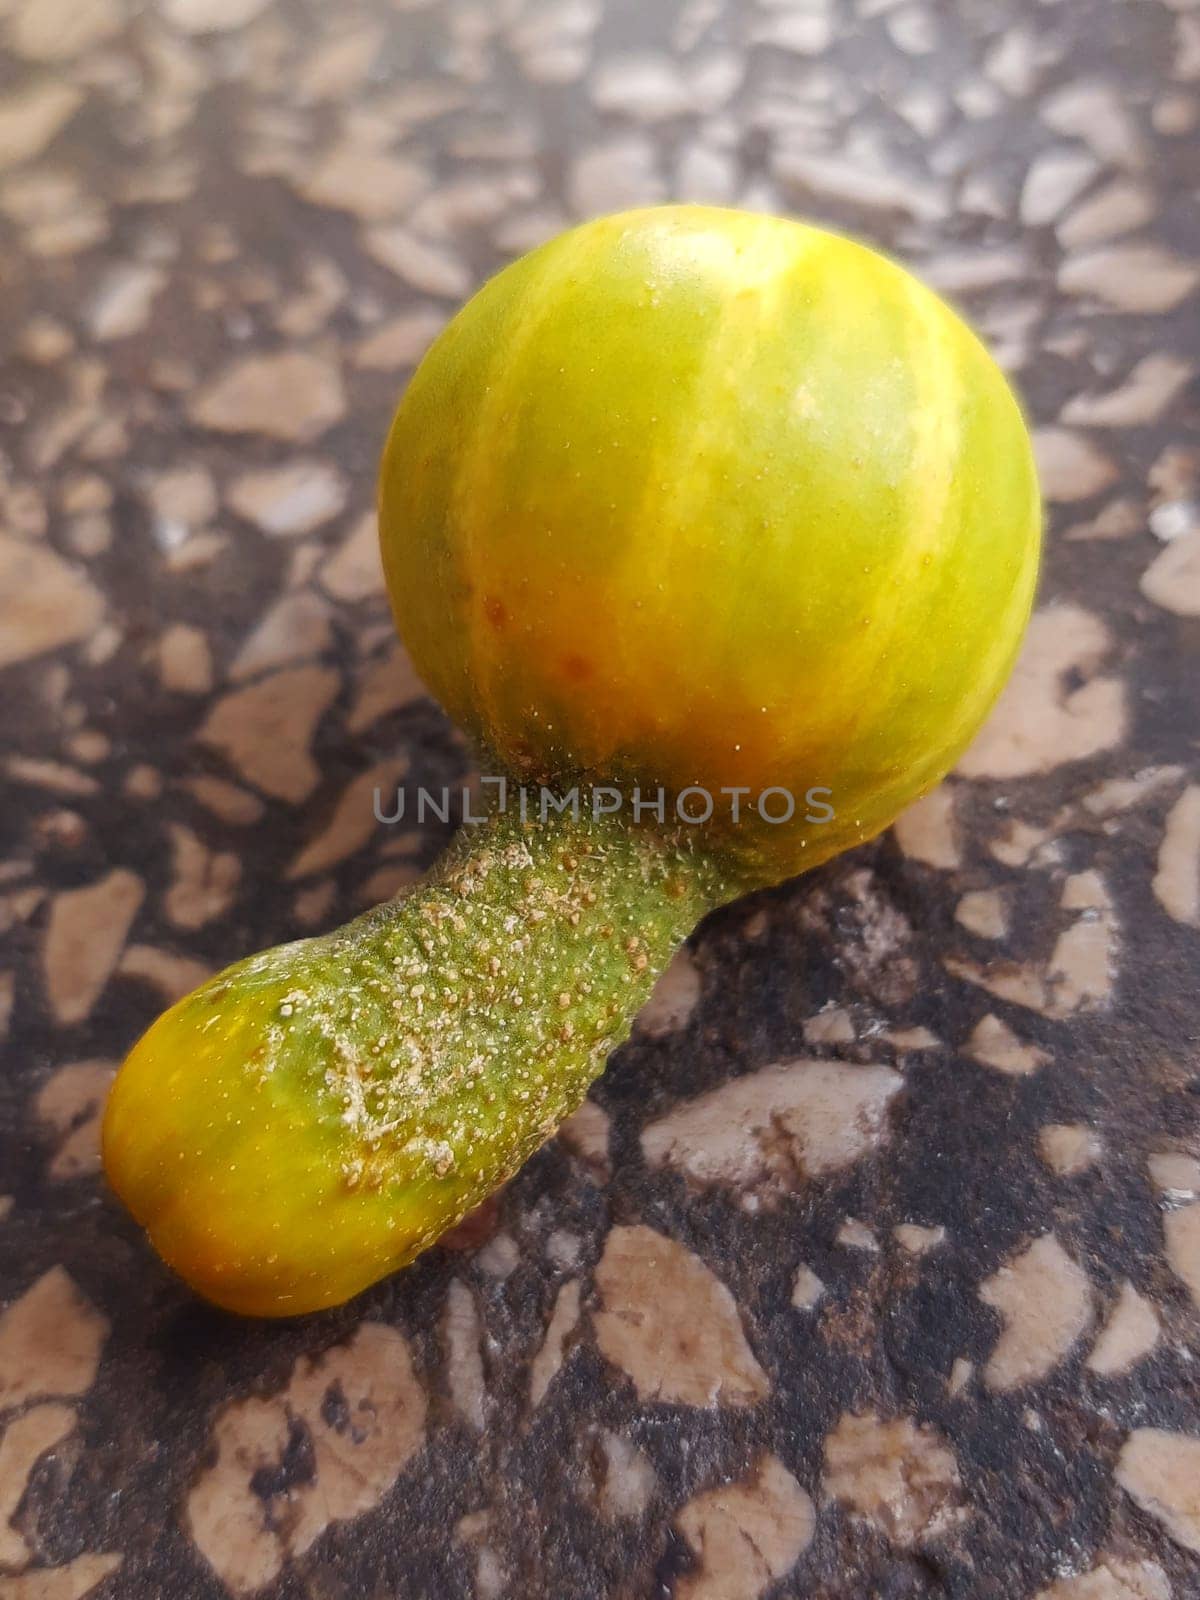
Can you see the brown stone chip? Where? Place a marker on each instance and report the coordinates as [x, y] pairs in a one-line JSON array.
[[1161, 1472], [292, 396], [1046, 1300], [44, 602], [50, 1341], [264, 730], [70, 1104], [800, 1119], [359, 1446], [746, 1535], [896, 1474], [669, 1323], [84, 936]]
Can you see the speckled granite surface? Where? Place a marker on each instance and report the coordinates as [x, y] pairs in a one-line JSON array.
[[872, 1269]]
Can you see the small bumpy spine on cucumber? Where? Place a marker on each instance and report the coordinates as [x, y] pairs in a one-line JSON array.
[[317, 1115]]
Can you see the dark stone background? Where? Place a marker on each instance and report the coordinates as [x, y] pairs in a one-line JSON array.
[[191, 188]]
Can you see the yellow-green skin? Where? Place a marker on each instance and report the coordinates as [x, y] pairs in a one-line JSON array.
[[313, 1117], [696, 497], [688, 498]]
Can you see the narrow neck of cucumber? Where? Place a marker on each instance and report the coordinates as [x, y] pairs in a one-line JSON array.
[[559, 884], [509, 974]]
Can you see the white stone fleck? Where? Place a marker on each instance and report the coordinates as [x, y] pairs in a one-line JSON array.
[[1070, 466], [585, 1133], [1172, 580], [369, 183], [832, 1025], [339, 64], [122, 304], [26, 1440], [552, 40], [524, 230], [462, 1339], [918, 1038], [1171, 519], [1117, 520], [51, 1338], [923, 106], [1095, 113], [1142, 398], [295, 628], [1175, 114], [180, 499], [673, 999], [1014, 62], [860, 181], [1130, 277], [805, 31], [212, 16], [402, 341], [354, 571], [918, 1239], [83, 938], [352, 822], [647, 88], [185, 659], [1177, 879], [983, 912], [1118, 208], [706, 176], [621, 172], [978, 99], [456, 207], [913, 29], [548, 1361], [1176, 1174], [1187, 49], [432, 268], [928, 832], [1112, 1579], [500, 1256], [289, 500], [628, 1480], [965, 271], [961, 1374], [1054, 180], [855, 1235], [264, 729], [1079, 975], [1181, 1230], [807, 1289], [246, 1518]]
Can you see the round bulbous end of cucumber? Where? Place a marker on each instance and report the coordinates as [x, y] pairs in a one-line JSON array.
[[696, 496]]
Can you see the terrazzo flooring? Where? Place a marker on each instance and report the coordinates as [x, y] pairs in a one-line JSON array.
[[871, 1269]]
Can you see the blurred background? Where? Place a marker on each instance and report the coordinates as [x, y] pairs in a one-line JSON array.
[[228, 231]]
